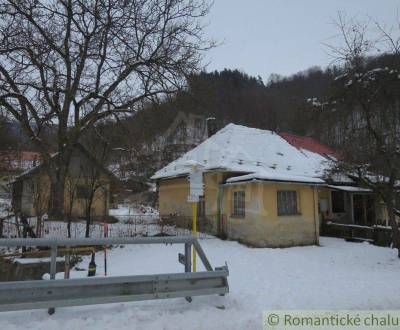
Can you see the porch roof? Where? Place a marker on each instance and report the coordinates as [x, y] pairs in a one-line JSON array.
[[350, 189], [268, 176]]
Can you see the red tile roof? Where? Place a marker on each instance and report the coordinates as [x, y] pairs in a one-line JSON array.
[[310, 144], [18, 160]]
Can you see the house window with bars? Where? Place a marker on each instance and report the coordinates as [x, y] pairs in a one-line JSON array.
[[239, 205], [287, 202]]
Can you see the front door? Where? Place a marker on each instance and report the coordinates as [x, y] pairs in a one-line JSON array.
[[364, 209]]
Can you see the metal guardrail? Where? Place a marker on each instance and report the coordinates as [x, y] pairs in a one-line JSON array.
[[75, 292]]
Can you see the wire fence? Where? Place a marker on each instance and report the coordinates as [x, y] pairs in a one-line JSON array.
[[127, 226]]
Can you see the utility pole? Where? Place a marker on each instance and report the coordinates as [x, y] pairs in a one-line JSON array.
[[196, 190]]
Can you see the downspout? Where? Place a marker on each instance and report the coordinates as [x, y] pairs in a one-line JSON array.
[[219, 215], [316, 215]]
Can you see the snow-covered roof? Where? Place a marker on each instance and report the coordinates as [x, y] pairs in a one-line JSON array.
[[350, 188], [262, 175], [261, 153]]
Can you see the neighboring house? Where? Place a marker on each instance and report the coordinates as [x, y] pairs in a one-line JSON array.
[[87, 185], [16, 161], [184, 133], [261, 188]]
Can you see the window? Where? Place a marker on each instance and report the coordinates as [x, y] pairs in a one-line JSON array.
[[82, 192], [287, 202], [239, 204], [337, 201]]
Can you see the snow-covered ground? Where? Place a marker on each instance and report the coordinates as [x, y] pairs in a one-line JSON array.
[[127, 210], [138, 220], [336, 275]]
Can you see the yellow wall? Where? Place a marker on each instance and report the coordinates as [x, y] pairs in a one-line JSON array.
[[262, 226], [100, 203], [36, 191], [173, 194]]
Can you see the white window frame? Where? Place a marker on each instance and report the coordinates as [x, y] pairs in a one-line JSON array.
[[239, 204], [287, 202]]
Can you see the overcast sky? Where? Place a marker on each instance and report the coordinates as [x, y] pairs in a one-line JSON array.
[[261, 37]]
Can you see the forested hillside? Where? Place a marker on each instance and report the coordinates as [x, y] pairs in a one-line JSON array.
[[232, 96], [283, 104]]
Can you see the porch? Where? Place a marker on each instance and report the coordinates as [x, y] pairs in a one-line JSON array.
[[353, 213], [351, 205]]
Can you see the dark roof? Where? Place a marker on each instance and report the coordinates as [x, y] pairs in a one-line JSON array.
[[310, 144], [79, 147]]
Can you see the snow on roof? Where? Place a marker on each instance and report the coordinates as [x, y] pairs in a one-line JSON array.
[[350, 188], [248, 150], [275, 177]]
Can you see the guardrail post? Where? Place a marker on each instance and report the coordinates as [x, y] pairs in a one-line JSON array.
[[188, 263], [188, 257], [67, 264], [53, 271]]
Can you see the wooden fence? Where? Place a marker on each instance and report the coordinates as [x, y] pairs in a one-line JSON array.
[[378, 235]]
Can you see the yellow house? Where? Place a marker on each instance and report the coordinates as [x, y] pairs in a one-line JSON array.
[[87, 186], [258, 188], [269, 190]]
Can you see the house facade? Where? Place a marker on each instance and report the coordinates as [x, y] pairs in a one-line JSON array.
[[87, 185], [261, 188]]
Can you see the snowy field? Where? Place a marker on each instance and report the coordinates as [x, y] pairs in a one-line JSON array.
[[337, 275]]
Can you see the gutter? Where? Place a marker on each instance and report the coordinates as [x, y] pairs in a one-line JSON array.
[[316, 213], [180, 175], [272, 180]]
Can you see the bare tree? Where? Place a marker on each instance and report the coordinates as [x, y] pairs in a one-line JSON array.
[[39, 189], [365, 101], [92, 180], [72, 183], [67, 64]]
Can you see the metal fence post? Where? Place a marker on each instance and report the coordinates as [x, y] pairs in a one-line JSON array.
[[53, 271], [188, 263], [67, 264], [188, 257]]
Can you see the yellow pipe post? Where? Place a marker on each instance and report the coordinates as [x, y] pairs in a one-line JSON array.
[[194, 233]]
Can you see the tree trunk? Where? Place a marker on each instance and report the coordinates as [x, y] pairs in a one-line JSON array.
[[89, 203], [57, 188], [69, 226], [88, 218], [87, 232], [39, 226]]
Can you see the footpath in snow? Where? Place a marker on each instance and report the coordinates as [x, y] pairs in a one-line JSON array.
[[336, 275]]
